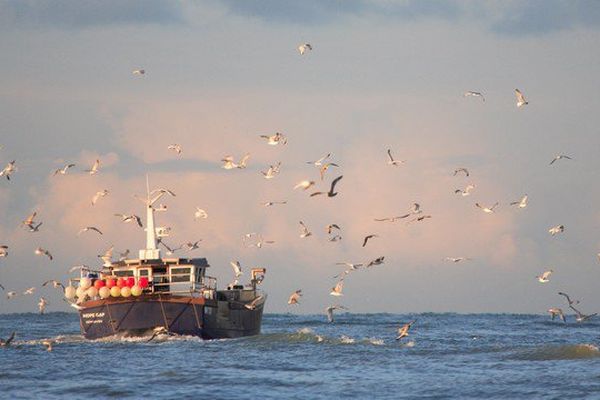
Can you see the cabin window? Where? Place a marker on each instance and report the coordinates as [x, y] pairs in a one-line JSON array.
[[123, 273], [143, 272], [181, 274], [199, 274]]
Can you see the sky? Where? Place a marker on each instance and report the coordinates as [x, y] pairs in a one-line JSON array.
[[382, 74]]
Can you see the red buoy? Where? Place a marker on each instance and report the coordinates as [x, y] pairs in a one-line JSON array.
[[110, 282], [99, 283], [143, 282]]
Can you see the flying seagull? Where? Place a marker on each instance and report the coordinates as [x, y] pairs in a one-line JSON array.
[[556, 229], [42, 305], [391, 219], [89, 228], [55, 284], [580, 317], [295, 297], [325, 167], [189, 246], [474, 94], [403, 330], [520, 98], [329, 311], [391, 160], [571, 302], [305, 232], [466, 191], [95, 168], [457, 259], [557, 312], [8, 170], [329, 228], [3, 251], [332, 192], [303, 48], [337, 289], [272, 171], [304, 185], [274, 140], [98, 195], [42, 252], [319, 162], [521, 203], [229, 163], [63, 170], [200, 213], [545, 277], [559, 157], [272, 203], [237, 268], [485, 209], [129, 218], [367, 238], [463, 170], [175, 147], [138, 71], [254, 303]]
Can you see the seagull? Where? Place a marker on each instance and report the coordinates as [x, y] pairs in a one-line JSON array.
[[42, 305], [415, 209], [130, 218], [392, 219], [571, 302], [30, 219], [303, 48], [337, 289], [10, 295], [228, 162], [329, 311], [580, 317], [272, 203], [54, 283], [520, 98], [272, 171], [465, 192], [48, 344], [367, 238], [403, 330], [294, 297], [192, 246], [419, 219], [254, 303], [97, 196], [559, 157], [123, 256], [81, 268], [377, 261], [557, 311], [175, 147], [107, 256], [170, 250], [29, 291], [556, 229], [35, 228], [393, 162], [42, 252], [138, 71], [487, 210], [94, 169], [8, 170], [329, 228], [545, 277], [521, 203], [200, 214], [457, 259], [3, 251], [319, 162], [305, 232], [237, 268], [332, 192], [89, 228], [474, 94], [352, 266], [463, 170], [6, 342], [325, 167], [63, 170], [159, 330], [304, 185], [260, 243], [274, 140]]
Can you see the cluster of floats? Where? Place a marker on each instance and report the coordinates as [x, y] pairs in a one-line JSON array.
[[137, 297]]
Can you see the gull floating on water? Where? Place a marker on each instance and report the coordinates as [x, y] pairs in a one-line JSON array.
[[403, 330], [329, 311], [520, 99], [474, 94], [303, 48], [48, 344], [6, 342], [559, 157], [556, 229], [521, 203], [545, 277], [42, 252], [295, 297]]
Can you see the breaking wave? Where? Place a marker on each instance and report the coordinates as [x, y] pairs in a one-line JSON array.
[[560, 352]]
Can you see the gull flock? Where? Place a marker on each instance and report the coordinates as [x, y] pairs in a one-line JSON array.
[[323, 165]]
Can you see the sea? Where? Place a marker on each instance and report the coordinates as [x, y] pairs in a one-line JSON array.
[[445, 356]]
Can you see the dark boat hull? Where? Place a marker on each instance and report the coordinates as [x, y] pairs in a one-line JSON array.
[[208, 319]]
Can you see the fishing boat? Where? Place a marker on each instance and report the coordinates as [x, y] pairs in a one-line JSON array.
[[138, 297]]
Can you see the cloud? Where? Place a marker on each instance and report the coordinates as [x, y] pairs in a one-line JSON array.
[[67, 14]]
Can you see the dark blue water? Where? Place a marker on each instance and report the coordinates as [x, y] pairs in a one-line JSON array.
[[304, 357]]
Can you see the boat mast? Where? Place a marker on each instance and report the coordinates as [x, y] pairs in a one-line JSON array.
[[151, 252]]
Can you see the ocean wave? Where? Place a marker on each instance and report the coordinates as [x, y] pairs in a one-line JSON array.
[[559, 352]]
